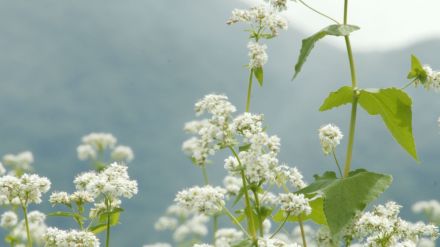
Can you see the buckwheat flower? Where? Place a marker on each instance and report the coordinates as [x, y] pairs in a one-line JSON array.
[[81, 197], [8, 219], [21, 161], [268, 198], [158, 245], [86, 152], [202, 245], [193, 127], [309, 233], [424, 242], [430, 208], [84, 179], [165, 223], [284, 174], [383, 226], [226, 237], [432, 79], [178, 211], [279, 5], [27, 189], [248, 124], [294, 204], [266, 226], [232, 185], [59, 198], [37, 228], [122, 153], [330, 136], [257, 55], [194, 226], [55, 237], [272, 242], [101, 207], [214, 104], [207, 200], [100, 141]]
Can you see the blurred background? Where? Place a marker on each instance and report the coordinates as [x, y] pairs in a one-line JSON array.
[[135, 68]]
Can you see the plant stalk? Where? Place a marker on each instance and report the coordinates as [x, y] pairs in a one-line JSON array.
[[257, 205], [107, 238], [28, 232], [280, 226], [249, 92], [205, 175], [250, 217], [349, 155], [301, 227]]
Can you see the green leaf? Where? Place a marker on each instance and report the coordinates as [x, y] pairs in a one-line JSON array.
[[243, 243], [309, 43], [342, 96], [258, 72], [394, 106], [98, 228], [317, 214], [244, 147], [417, 71], [239, 196], [343, 197], [61, 214]]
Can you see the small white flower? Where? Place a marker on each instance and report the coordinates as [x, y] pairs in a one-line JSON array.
[[165, 223], [8, 219], [26, 189], [86, 152], [257, 55], [295, 204], [2, 169], [208, 200], [226, 237], [232, 184], [21, 161], [55, 237], [59, 198], [432, 81], [330, 136], [122, 153], [100, 141]]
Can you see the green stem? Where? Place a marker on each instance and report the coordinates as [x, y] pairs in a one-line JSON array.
[[107, 238], [337, 162], [205, 175], [250, 217], [318, 12], [349, 155], [249, 92], [408, 84], [28, 232], [215, 226], [236, 221], [301, 227], [280, 226], [257, 205]]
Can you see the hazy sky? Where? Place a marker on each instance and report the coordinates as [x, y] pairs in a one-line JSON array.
[[384, 23]]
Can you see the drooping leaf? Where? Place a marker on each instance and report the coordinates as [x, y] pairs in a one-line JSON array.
[[309, 43], [317, 215], [394, 106], [258, 72], [417, 71], [342, 96], [343, 197]]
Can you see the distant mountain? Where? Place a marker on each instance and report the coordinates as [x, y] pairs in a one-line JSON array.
[[135, 68]]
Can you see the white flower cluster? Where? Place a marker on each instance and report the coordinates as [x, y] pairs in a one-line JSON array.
[[23, 190], [55, 237], [257, 55], [260, 18], [432, 80], [213, 133], [232, 185], [227, 237], [206, 200], [383, 227], [17, 229], [286, 174], [430, 208], [19, 163], [113, 182], [273, 242], [294, 204], [185, 223], [94, 145], [78, 197], [330, 136]]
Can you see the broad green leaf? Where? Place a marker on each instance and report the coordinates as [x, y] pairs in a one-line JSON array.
[[258, 72], [114, 220], [417, 71], [98, 228], [343, 197], [61, 214], [343, 96], [316, 216], [394, 106], [309, 43]]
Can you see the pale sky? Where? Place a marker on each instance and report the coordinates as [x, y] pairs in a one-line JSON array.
[[384, 24]]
